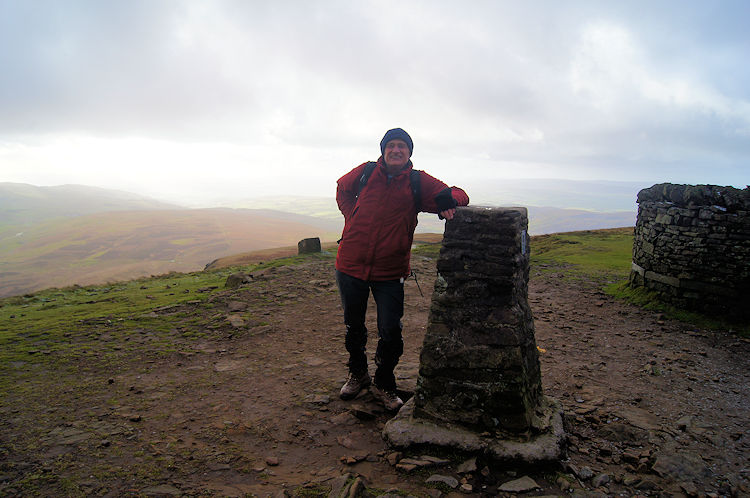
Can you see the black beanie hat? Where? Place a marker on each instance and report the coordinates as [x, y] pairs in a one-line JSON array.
[[397, 134]]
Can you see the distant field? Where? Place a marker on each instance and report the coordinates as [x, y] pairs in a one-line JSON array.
[[604, 252], [116, 246]]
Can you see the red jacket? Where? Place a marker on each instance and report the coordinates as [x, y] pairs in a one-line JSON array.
[[379, 225]]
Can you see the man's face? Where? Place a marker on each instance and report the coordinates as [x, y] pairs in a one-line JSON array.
[[396, 154]]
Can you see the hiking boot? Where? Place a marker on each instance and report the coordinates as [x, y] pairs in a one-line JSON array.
[[354, 384], [390, 399]]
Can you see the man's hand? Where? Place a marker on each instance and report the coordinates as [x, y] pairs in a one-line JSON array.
[[448, 213], [446, 204]]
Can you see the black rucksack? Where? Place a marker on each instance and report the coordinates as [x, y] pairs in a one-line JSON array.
[[414, 181]]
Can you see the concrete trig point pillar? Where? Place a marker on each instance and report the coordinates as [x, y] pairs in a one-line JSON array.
[[479, 387]]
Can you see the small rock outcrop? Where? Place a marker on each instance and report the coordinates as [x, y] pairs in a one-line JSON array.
[[308, 246], [237, 279]]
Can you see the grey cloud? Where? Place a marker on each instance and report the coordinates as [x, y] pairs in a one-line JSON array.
[[319, 74]]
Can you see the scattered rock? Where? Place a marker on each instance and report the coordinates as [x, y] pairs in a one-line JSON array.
[[434, 460], [344, 418], [563, 483], [236, 306], [237, 279], [585, 473], [236, 321], [357, 487], [352, 459], [620, 432], [162, 490], [424, 461], [639, 418], [205, 289], [406, 467], [69, 436], [394, 457], [227, 365], [363, 413], [318, 399], [600, 480], [346, 442], [683, 466], [449, 481], [521, 485], [468, 466], [272, 461], [684, 422], [630, 456], [689, 488], [630, 480], [647, 485], [337, 485]]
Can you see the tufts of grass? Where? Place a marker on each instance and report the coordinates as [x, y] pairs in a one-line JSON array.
[[649, 300], [427, 250], [58, 327], [590, 252], [318, 490]]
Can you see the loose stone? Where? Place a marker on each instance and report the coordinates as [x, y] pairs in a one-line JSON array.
[[521, 485], [449, 481]]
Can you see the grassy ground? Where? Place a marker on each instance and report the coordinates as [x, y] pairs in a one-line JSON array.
[[56, 324], [590, 253], [605, 257]]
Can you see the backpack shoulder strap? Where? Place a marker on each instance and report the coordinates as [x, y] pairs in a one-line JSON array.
[[415, 179], [369, 168]]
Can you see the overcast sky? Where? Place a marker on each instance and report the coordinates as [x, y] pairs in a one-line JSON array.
[[200, 98]]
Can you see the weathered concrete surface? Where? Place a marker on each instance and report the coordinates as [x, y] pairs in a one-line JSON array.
[[547, 446]]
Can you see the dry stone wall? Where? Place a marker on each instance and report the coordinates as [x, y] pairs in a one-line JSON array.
[[692, 246]]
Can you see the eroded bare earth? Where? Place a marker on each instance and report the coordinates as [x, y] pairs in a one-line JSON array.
[[653, 406]]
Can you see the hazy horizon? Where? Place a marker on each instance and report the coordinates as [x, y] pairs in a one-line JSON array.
[[233, 99], [599, 196]]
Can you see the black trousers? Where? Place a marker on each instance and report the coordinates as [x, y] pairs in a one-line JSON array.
[[389, 298]]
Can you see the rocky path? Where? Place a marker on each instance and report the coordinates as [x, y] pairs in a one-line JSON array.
[[251, 408]]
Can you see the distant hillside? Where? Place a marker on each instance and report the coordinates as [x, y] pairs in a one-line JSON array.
[[544, 220], [541, 219], [120, 245], [554, 205], [58, 236], [23, 204]]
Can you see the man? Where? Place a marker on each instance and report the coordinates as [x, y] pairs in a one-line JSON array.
[[380, 204]]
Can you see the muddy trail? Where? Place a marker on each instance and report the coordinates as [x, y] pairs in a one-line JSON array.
[[251, 408]]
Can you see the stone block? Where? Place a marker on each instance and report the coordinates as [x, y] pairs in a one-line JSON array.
[[308, 246]]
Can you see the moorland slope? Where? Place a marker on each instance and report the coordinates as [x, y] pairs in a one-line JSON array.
[[177, 385], [118, 245]]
